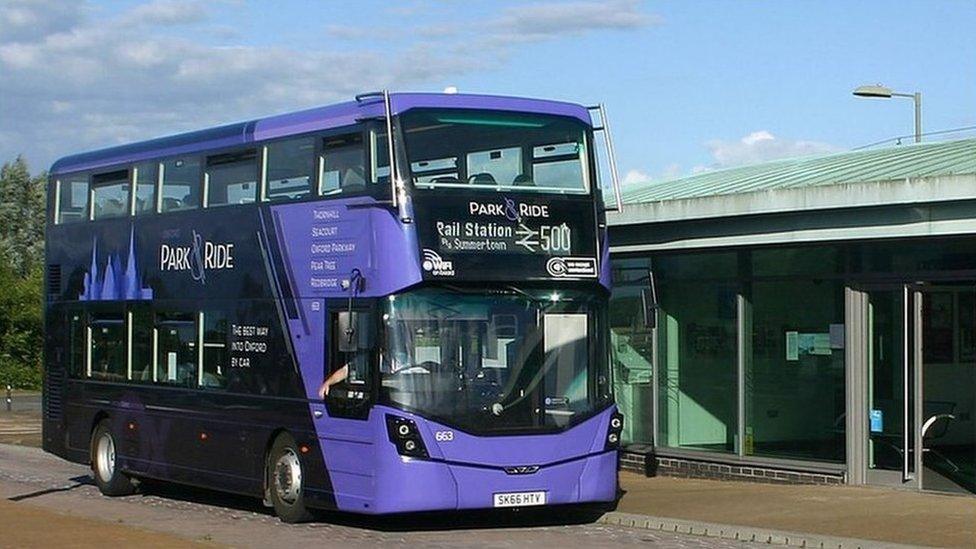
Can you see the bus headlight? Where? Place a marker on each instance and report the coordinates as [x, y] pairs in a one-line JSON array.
[[613, 433], [405, 436]]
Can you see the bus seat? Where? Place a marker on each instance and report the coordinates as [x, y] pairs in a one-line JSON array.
[[523, 180], [483, 178], [171, 204]]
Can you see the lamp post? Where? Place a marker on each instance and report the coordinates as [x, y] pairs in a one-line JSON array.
[[882, 92]]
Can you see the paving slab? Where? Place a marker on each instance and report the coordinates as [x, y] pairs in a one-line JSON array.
[[882, 515]]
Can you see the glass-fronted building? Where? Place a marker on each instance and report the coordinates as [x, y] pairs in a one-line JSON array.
[[808, 320]]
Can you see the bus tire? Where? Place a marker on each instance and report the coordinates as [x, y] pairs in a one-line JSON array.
[[286, 480], [110, 479]]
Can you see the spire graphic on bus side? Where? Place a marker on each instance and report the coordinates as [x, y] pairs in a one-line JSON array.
[[112, 282]]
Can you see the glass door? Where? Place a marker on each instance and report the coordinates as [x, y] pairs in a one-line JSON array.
[[948, 431], [892, 356]]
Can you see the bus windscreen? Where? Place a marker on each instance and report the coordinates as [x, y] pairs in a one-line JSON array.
[[482, 150]]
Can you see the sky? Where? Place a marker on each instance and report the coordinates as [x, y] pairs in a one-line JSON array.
[[688, 85]]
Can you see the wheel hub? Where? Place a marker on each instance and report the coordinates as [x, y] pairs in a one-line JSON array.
[[105, 457], [288, 477]]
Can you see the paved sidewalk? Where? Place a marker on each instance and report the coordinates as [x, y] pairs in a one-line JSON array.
[[23, 428], [29, 526], [885, 515]]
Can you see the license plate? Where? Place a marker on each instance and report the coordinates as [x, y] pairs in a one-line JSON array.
[[520, 499]]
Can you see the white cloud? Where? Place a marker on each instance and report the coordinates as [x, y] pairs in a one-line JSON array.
[[547, 19], [165, 12], [75, 78], [761, 146], [635, 177], [31, 19]]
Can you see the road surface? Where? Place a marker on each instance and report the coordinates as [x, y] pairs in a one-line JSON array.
[[34, 482]]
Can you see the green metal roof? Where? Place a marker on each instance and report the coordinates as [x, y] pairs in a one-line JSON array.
[[874, 165]]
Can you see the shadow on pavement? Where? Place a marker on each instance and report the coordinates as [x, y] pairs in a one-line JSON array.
[[564, 515], [78, 483]]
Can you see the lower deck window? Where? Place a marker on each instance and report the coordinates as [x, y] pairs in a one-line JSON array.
[[107, 358], [176, 350], [216, 354]]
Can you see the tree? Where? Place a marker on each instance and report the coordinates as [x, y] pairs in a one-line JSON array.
[[21, 333], [22, 217]]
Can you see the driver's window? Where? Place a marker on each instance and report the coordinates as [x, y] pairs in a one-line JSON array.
[[352, 351]]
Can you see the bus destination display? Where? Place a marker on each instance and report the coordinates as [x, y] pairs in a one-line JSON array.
[[552, 236]]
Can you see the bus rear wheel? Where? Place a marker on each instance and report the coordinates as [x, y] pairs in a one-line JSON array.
[[286, 480], [110, 479]]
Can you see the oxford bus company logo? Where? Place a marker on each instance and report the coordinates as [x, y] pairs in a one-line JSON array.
[[197, 258], [434, 264], [571, 267]]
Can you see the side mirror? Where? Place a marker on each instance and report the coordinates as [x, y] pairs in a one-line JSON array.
[[347, 331]]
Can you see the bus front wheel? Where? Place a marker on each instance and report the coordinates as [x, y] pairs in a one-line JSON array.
[[110, 480], [286, 480]]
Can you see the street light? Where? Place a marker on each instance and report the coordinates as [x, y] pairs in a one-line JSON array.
[[881, 92]]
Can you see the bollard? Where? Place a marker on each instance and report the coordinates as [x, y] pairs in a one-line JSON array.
[[10, 400]]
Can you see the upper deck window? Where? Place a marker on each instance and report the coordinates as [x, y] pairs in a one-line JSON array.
[[232, 178], [110, 195], [490, 150], [343, 164], [181, 184], [72, 198], [145, 176], [290, 169]]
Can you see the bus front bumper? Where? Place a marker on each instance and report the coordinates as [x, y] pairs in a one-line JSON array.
[[418, 485]]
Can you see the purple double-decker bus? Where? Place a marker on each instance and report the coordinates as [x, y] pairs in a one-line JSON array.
[[389, 305]]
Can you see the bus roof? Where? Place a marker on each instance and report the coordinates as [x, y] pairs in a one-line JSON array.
[[310, 120]]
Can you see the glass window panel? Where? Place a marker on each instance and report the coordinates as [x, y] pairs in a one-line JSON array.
[[566, 348], [216, 351], [108, 356], [176, 357], [181, 184], [916, 258], [633, 351], [949, 403], [806, 260], [348, 377], [146, 179], [232, 179], [73, 202], [696, 266], [290, 168], [437, 170], [380, 157], [530, 152], [141, 329], [110, 195], [493, 167], [558, 149], [76, 344], [794, 387], [557, 175], [698, 366], [344, 165], [495, 362], [940, 327]]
